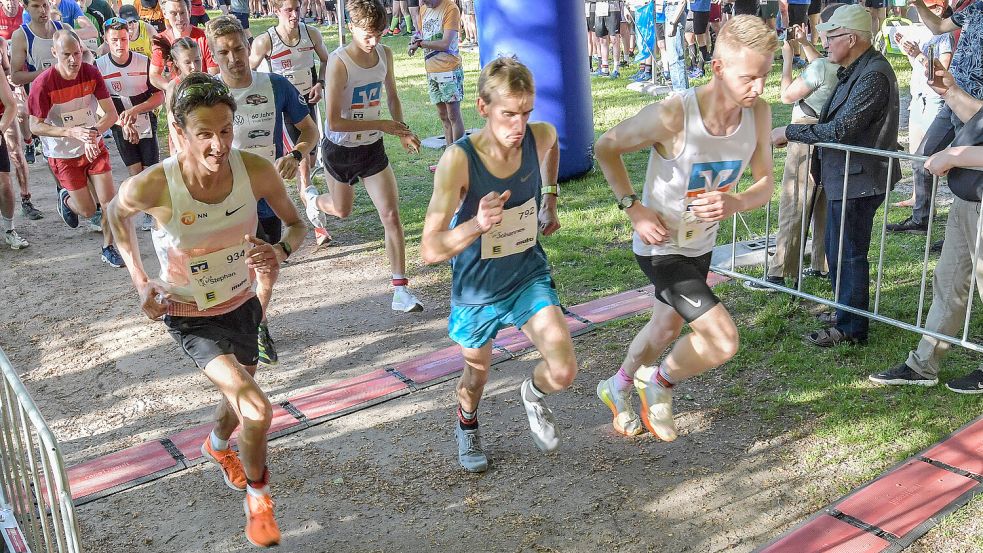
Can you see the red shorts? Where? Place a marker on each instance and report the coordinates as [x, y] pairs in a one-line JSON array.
[[72, 173], [714, 11]]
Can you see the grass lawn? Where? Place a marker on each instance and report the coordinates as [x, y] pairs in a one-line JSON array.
[[858, 427]]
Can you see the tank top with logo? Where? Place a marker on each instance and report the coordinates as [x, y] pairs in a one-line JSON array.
[[201, 249], [39, 56], [706, 163], [141, 44], [295, 62], [509, 256], [129, 85], [256, 117], [362, 98]]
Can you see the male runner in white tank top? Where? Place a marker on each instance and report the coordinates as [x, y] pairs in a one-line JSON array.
[[291, 49], [204, 203], [701, 141], [352, 148]]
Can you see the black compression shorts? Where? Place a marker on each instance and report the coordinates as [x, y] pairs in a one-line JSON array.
[[681, 282]]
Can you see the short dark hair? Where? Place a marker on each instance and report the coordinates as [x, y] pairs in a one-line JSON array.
[[367, 14], [199, 90]]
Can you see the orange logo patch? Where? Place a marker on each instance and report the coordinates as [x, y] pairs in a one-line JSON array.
[[188, 217]]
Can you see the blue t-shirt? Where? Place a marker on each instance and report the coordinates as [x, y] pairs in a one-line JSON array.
[[967, 62], [70, 11], [799, 1], [699, 5]]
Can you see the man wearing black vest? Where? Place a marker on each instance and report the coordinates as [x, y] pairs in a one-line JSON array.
[[863, 111]]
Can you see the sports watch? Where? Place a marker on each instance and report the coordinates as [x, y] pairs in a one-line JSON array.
[[627, 201], [297, 155]]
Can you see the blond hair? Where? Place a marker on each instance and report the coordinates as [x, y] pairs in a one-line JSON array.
[[507, 76], [745, 31], [367, 14], [224, 25]]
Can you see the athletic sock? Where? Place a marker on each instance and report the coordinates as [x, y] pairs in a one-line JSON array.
[[409, 23], [662, 377], [536, 392], [467, 419], [400, 280], [705, 52], [622, 381], [604, 68], [259, 488], [218, 444], [25, 197], [8, 223]]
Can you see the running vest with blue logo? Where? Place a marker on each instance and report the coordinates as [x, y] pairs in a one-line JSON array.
[[39, 56], [201, 249], [129, 85], [295, 62], [255, 118], [705, 164], [362, 98], [509, 256]]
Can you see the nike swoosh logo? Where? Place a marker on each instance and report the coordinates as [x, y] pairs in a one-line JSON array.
[[525, 178], [229, 213], [695, 304]]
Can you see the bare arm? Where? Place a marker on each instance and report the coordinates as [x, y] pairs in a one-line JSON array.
[[84, 28], [261, 49], [109, 115], [157, 77], [146, 192], [439, 242], [934, 23], [440, 45], [548, 149], [392, 95], [9, 103], [18, 59], [268, 185], [338, 77], [762, 163], [961, 103], [321, 51]]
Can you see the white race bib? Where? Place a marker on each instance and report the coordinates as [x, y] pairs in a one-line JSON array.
[[219, 276], [602, 9], [268, 152], [303, 81], [78, 118], [516, 232], [443, 77], [142, 126], [691, 228]]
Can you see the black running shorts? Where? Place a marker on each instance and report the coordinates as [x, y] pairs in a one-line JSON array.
[[609, 25], [205, 338], [199, 20], [681, 282], [815, 7], [4, 157], [293, 132], [145, 152], [874, 4], [798, 14], [701, 20], [347, 165], [413, 4]]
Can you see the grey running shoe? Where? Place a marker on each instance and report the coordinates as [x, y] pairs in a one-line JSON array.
[[541, 421], [902, 375], [29, 211], [469, 452], [972, 383]]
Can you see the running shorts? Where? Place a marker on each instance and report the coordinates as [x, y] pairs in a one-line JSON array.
[[205, 338], [446, 87], [73, 173], [347, 164], [607, 26], [329, 5], [413, 3], [293, 132], [875, 4], [473, 326], [768, 10], [681, 282], [199, 20], [798, 14], [745, 7], [815, 6], [146, 152], [4, 157], [701, 20], [243, 19], [660, 32], [715, 11]]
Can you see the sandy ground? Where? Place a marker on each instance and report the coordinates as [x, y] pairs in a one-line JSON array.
[[385, 478]]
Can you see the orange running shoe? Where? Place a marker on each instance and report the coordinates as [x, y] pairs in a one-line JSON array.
[[322, 236], [228, 462], [261, 527]]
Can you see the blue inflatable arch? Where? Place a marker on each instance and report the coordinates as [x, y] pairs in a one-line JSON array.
[[546, 35]]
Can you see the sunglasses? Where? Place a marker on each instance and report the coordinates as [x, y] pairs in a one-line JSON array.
[[200, 91], [115, 23]]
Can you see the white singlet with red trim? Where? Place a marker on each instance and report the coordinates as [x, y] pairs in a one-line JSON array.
[[295, 62]]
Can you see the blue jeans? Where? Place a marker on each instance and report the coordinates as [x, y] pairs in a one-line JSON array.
[[675, 47], [853, 267]]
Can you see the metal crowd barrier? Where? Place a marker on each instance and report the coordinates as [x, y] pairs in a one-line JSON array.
[[875, 315], [36, 510]]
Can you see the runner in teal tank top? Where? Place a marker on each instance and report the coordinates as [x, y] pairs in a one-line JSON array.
[[488, 208]]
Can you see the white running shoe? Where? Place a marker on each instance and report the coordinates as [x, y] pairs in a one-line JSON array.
[[405, 301], [14, 240], [314, 214], [656, 404], [626, 420], [542, 425]]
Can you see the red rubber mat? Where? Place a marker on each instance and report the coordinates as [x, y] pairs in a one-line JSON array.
[[906, 497], [434, 365], [964, 450], [189, 441], [714, 279], [343, 395], [514, 340], [618, 305], [103, 473], [828, 535]]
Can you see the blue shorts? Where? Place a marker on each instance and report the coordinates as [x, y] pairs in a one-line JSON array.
[[473, 326]]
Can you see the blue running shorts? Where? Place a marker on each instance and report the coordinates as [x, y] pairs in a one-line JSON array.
[[473, 326]]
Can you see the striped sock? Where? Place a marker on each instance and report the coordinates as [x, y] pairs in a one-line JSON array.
[[622, 381], [662, 377]]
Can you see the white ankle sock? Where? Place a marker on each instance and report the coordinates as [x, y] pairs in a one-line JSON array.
[[258, 492], [8, 223], [218, 444]]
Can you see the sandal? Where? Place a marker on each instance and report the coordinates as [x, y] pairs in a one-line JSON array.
[[810, 272], [826, 318], [829, 337]]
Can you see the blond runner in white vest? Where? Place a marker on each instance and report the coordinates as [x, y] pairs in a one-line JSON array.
[[291, 49], [701, 141], [352, 148], [204, 204]]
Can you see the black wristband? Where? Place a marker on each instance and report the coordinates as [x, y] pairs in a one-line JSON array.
[[297, 155], [287, 250]]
